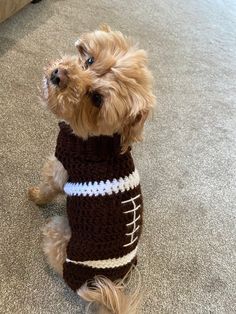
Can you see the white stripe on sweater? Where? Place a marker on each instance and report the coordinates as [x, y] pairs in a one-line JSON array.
[[101, 187], [108, 263]]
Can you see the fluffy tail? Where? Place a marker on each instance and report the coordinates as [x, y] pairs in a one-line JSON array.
[[112, 297]]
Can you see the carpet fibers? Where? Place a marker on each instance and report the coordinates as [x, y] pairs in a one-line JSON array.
[[187, 163]]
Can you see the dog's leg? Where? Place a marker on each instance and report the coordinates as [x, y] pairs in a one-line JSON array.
[[56, 235], [54, 176]]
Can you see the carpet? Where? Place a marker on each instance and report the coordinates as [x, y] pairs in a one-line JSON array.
[[187, 163]]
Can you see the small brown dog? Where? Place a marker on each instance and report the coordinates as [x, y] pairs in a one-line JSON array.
[[103, 95]]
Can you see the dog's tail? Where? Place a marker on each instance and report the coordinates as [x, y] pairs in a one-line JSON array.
[[111, 297]]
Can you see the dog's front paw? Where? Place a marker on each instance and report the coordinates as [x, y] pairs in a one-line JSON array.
[[36, 196]]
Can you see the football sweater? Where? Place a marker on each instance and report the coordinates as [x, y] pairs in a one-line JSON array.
[[104, 206]]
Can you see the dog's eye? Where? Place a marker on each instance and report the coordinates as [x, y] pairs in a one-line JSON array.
[[96, 99], [89, 62]]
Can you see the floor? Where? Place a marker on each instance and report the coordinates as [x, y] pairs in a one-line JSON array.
[[187, 163]]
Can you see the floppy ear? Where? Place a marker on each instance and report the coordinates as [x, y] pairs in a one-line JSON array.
[[141, 102], [105, 28], [81, 47], [133, 129]]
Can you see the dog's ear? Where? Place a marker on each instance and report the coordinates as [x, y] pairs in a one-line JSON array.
[[138, 80], [105, 28], [81, 48], [133, 129], [80, 45]]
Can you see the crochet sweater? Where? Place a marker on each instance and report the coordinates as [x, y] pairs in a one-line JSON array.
[[104, 207]]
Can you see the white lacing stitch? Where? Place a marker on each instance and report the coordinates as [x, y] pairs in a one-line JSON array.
[[134, 220], [107, 263], [101, 187]]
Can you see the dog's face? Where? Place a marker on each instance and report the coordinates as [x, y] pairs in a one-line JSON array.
[[105, 89]]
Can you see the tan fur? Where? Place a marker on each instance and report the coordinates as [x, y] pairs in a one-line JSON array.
[[56, 235], [111, 297], [54, 176], [120, 74]]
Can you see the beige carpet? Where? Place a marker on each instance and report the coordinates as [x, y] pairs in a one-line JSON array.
[[187, 163]]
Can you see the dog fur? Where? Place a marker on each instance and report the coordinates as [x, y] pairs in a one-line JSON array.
[[121, 78]]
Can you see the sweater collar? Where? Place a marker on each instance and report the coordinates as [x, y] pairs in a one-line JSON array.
[[95, 148]]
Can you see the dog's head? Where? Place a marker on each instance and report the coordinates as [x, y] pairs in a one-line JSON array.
[[105, 89]]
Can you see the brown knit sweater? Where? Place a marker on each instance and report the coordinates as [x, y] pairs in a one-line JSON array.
[[104, 207]]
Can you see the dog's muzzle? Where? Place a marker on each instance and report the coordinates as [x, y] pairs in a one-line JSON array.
[[59, 77]]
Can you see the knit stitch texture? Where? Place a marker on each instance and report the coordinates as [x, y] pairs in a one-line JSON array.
[[105, 224]]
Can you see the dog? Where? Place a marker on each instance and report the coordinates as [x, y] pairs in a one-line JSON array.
[[102, 97]]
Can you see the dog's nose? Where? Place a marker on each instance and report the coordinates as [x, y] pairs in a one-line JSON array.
[[55, 78], [59, 77]]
